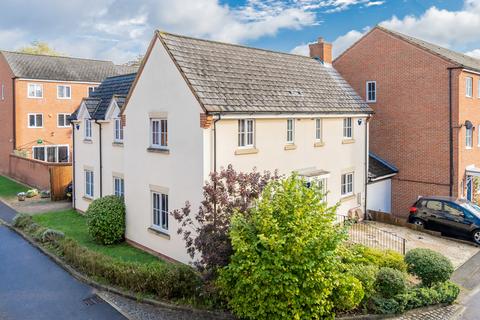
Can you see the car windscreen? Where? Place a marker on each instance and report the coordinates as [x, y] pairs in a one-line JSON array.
[[472, 207]]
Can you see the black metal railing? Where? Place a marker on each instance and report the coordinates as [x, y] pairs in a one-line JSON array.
[[371, 236]]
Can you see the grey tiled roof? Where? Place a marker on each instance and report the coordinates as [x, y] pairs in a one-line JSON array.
[[42, 67], [378, 168], [456, 57], [111, 88], [232, 78]]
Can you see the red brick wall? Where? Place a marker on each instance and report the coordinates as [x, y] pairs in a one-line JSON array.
[[410, 125], [6, 116]]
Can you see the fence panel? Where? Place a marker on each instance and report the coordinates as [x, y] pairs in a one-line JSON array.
[[60, 177]]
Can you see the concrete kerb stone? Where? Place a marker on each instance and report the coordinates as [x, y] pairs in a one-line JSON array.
[[79, 276]]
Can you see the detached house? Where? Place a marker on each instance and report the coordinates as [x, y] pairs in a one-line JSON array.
[[196, 106], [37, 95], [427, 113]]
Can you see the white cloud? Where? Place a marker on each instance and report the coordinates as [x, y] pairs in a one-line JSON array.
[[474, 53], [374, 3]]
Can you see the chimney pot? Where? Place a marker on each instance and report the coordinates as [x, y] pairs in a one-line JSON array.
[[321, 50]]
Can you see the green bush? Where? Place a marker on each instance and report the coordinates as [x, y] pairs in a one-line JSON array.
[[381, 305], [390, 282], [348, 294], [164, 280], [106, 220], [285, 264], [360, 254], [51, 235], [22, 220], [367, 275], [430, 266]]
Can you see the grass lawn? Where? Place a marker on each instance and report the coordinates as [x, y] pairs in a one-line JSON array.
[[10, 188], [74, 226]]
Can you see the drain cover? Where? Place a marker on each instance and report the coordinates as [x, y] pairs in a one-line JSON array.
[[90, 301]]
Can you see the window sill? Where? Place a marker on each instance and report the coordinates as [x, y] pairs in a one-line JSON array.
[[87, 141], [291, 146], [158, 232], [86, 198], [246, 151], [348, 141], [319, 144], [468, 148], [117, 144], [158, 150], [347, 197]]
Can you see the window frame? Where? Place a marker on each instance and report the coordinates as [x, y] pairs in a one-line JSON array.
[[119, 182], [65, 116], [468, 138], [87, 130], [35, 117], [469, 88], [290, 131], [347, 127], [38, 148], [93, 90], [157, 135], [159, 213], [318, 129], [64, 86], [57, 152], [89, 191], [374, 91], [244, 134], [345, 183], [35, 96], [118, 133]]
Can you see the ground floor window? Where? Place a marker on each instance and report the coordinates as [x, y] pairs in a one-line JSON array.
[[89, 183], [52, 153], [119, 186], [160, 210], [347, 184]]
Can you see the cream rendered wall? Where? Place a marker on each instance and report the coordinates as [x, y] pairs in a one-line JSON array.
[[161, 89], [112, 157], [380, 196], [86, 156], [270, 140]]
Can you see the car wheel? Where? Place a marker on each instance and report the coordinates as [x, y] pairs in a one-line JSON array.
[[420, 223], [476, 236]]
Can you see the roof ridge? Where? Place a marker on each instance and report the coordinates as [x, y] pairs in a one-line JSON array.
[[53, 56], [159, 33], [121, 75]]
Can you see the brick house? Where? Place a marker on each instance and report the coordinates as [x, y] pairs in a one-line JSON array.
[[37, 94], [427, 121]]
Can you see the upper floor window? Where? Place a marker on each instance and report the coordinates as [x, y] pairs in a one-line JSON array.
[[245, 133], [318, 129], [88, 129], [160, 210], [469, 87], [118, 130], [2, 92], [35, 90], [119, 186], [159, 133], [347, 184], [347, 128], [468, 138], [62, 120], [290, 130], [64, 92], [371, 91], [35, 120], [89, 183], [91, 90]]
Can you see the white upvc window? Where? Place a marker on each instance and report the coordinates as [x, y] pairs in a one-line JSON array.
[[347, 184], [91, 90], [64, 92], [246, 133], [290, 130], [371, 92], [35, 90], [89, 184], [160, 211], [118, 186], [318, 130], [62, 120], [51, 153], [88, 129], [158, 133], [322, 184], [347, 128], [117, 130], [39, 153], [469, 87], [468, 138], [35, 120], [2, 92]]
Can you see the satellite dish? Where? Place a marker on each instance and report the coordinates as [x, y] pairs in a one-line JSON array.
[[468, 124]]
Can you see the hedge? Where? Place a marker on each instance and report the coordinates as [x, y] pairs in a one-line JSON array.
[[430, 266]]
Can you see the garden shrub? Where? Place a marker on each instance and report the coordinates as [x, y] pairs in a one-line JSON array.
[[51, 235], [348, 294], [390, 282], [430, 266], [367, 275], [381, 305], [106, 220], [285, 263], [360, 254], [22, 220]]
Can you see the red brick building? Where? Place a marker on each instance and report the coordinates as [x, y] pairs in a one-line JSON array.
[[427, 113]]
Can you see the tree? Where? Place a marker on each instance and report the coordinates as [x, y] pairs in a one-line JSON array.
[[38, 47], [285, 263], [206, 232], [136, 62]]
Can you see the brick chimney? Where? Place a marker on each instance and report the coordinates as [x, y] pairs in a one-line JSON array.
[[321, 50]]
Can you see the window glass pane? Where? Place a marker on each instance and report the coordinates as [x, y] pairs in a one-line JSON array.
[[61, 120], [31, 120], [434, 205], [62, 154], [51, 154], [453, 210], [39, 120], [39, 153]]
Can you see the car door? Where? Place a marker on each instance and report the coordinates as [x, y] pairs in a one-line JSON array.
[[454, 219], [433, 211]]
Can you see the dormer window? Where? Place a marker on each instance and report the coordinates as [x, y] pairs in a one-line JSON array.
[[88, 129]]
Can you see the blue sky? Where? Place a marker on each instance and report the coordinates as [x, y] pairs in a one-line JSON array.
[[119, 30]]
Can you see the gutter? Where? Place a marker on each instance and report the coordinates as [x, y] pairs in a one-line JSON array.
[[219, 117], [100, 156], [73, 168], [366, 168], [450, 128], [14, 114]]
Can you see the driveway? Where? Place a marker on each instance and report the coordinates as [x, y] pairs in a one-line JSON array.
[[32, 287]]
